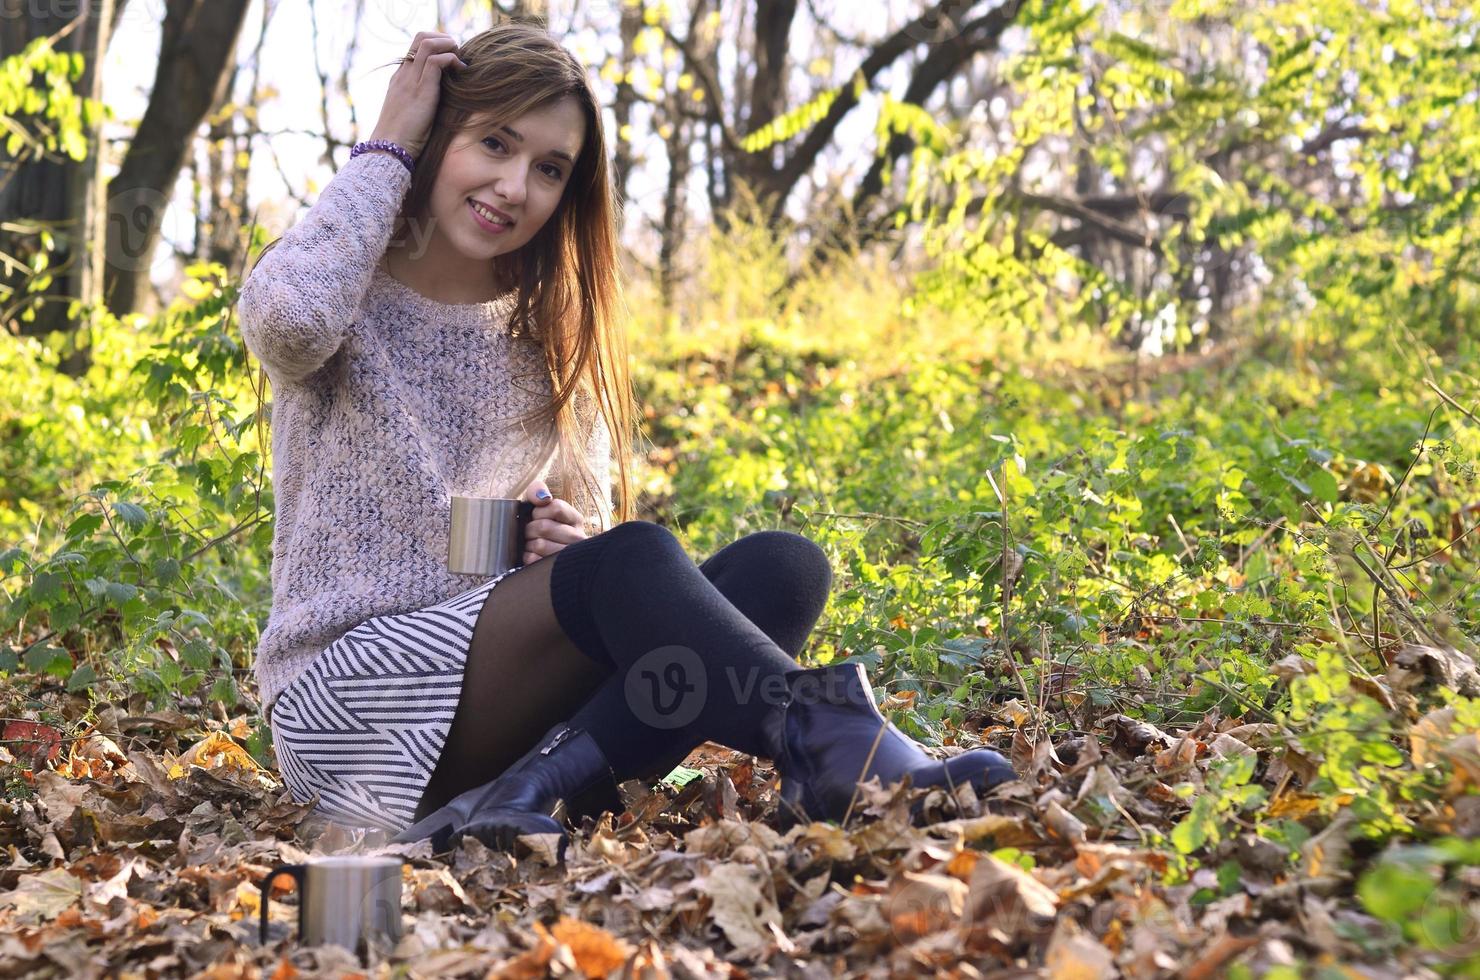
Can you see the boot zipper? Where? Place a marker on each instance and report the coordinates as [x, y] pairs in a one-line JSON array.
[[559, 737]]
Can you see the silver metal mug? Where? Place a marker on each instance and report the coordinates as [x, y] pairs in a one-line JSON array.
[[345, 899], [487, 534]]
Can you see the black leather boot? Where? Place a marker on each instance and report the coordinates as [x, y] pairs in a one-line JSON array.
[[821, 735], [566, 764]]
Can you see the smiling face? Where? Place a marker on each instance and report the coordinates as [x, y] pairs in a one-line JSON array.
[[516, 171], [520, 170]]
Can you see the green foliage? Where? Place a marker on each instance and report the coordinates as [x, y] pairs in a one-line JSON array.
[[1420, 892], [41, 111], [1244, 132], [804, 116], [1229, 792], [149, 582], [40, 114], [1030, 538]]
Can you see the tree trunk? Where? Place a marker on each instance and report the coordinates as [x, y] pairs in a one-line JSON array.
[[622, 104], [60, 193], [773, 20], [196, 56], [953, 30], [673, 212], [944, 60], [526, 10], [225, 185]]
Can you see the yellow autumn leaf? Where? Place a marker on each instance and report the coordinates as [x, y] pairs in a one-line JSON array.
[[248, 901], [197, 290], [1298, 805], [1015, 711], [1430, 734], [596, 951], [216, 751], [899, 700]]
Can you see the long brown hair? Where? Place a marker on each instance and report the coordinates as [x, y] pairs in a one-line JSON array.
[[569, 290]]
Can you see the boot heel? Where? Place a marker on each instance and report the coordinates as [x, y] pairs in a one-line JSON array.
[[565, 764], [827, 735]]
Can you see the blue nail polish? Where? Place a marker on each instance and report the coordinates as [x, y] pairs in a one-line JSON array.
[[543, 495]]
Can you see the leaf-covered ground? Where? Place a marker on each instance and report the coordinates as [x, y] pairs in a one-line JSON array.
[[1248, 745], [137, 848]]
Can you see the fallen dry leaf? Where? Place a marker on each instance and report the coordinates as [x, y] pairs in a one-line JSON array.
[[1074, 955]]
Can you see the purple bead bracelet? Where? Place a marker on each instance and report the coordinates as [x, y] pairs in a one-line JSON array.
[[400, 152]]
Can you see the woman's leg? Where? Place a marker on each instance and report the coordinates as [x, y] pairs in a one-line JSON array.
[[689, 666], [522, 676], [780, 581], [524, 673]]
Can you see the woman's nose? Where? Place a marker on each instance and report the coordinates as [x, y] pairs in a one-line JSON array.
[[511, 188]]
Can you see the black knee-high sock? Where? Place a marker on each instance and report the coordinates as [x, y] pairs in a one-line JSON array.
[[780, 581], [689, 666]]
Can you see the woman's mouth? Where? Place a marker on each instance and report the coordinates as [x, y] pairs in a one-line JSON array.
[[492, 221]]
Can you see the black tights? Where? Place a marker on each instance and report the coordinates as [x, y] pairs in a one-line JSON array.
[[621, 634]]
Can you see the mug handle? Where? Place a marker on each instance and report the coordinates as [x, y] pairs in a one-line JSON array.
[[523, 514], [296, 870]]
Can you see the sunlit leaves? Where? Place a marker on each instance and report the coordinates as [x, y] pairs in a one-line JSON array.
[[38, 82], [789, 124]]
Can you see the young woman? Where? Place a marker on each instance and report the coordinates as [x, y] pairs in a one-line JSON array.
[[445, 321]]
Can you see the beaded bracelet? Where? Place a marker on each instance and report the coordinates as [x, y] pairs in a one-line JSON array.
[[400, 152]]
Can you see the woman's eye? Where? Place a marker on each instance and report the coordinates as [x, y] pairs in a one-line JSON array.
[[554, 172]]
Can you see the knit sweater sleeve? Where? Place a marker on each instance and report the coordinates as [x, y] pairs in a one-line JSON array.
[[298, 302]]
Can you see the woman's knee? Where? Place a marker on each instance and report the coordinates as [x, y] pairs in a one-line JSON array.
[[643, 537], [786, 553]]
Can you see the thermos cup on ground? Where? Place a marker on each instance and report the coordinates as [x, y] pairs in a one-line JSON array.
[[350, 900], [487, 534]]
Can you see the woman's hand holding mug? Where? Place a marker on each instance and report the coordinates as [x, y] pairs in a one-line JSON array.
[[411, 102], [554, 524]]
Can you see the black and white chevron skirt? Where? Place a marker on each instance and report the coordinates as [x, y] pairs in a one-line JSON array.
[[364, 725]]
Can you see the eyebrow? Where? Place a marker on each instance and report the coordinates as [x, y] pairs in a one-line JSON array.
[[554, 153]]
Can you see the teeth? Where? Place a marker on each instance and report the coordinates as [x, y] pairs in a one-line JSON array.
[[488, 214]]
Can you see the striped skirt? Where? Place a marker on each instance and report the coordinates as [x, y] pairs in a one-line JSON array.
[[364, 725]]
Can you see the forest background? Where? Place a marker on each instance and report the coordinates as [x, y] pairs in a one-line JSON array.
[[1121, 356]]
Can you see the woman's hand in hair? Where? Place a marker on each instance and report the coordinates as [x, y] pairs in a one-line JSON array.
[[553, 525], [411, 103]]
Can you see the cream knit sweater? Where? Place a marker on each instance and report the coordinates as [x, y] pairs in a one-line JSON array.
[[385, 405]]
